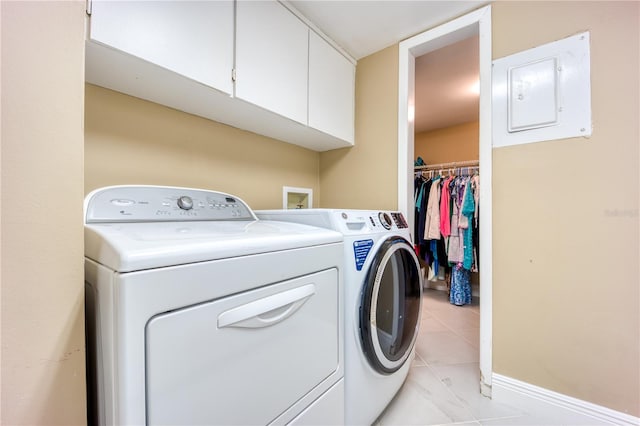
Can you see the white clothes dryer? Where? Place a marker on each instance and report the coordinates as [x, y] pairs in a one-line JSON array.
[[199, 313], [383, 297]]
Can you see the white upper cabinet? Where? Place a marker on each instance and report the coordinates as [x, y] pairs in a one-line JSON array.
[[290, 84], [331, 90], [272, 48], [191, 38]]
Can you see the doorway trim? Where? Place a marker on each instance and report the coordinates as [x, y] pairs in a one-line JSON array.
[[477, 22]]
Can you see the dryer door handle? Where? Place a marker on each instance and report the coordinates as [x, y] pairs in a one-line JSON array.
[[267, 311]]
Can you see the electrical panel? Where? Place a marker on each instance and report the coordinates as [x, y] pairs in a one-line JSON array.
[[543, 93]]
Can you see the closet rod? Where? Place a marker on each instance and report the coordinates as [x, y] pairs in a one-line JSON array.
[[454, 165]]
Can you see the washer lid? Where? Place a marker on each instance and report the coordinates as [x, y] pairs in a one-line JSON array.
[[126, 247]]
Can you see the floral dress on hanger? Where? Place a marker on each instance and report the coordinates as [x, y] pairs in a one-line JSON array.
[[460, 293]]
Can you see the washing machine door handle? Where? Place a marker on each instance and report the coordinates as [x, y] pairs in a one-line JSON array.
[[267, 311]]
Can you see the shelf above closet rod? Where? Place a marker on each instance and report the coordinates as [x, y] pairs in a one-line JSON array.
[[454, 165]]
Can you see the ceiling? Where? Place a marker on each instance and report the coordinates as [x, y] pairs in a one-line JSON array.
[[447, 88], [363, 27]]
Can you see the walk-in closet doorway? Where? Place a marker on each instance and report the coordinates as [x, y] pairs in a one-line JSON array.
[[474, 24]]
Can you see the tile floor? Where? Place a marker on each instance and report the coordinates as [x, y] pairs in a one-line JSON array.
[[442, 387]]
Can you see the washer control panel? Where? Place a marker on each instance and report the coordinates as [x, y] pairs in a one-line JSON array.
[[356, 220], [159, 204]]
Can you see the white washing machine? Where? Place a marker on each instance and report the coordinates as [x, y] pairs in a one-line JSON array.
[[198, 313], [383, 297]]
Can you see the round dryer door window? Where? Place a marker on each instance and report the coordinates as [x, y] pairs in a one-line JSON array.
[[391, 301]]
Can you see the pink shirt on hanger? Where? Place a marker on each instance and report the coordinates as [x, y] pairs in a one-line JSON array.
[[445, 197]]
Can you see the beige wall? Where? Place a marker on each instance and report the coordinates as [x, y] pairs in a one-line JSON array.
[[43, 373], [131, 141], [455, 143], [365, 176], [566, 300]]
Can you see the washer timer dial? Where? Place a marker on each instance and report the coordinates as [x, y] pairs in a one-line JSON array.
[[385, 220], [185, 202]]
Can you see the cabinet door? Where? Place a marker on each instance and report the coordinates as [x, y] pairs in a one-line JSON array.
[[191, 38], [272, 58], [331, 90]]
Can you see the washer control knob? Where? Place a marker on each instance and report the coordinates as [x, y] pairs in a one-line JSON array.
[[385, 220], [185, 203]]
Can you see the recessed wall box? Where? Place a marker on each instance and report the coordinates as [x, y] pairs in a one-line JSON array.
[[297, 198]]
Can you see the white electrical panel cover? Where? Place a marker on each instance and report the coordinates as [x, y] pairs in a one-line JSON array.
[[543, 93]]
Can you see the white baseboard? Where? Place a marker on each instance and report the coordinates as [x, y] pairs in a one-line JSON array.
[[501, 385]]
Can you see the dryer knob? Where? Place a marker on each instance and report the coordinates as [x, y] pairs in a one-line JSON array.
[[185, 203]]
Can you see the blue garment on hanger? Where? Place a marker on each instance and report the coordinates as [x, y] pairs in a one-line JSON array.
[[434, 251], [468, 209], [420, 195], [460, 293]]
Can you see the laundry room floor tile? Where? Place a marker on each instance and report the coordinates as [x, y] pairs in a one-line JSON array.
[[418, 362], [445, 348], [424, 400], [472, 336], [430, 323], [464, 381], [457, 317]]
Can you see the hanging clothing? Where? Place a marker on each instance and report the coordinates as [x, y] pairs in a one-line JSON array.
[[455, 249], [432, 222], [467, 211], [417, 191], [463, 184], [446, 229], [445, 208], [476, 224], [475, 184], [435, 264], [421, 217], [460, 293]]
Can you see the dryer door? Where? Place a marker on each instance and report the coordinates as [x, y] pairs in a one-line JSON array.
[[390, 306], [244, 359]]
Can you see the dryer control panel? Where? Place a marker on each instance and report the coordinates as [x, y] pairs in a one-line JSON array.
[[162, 204]]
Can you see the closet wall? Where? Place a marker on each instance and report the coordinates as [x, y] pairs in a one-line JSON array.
[[131, 141], [449, 144]]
